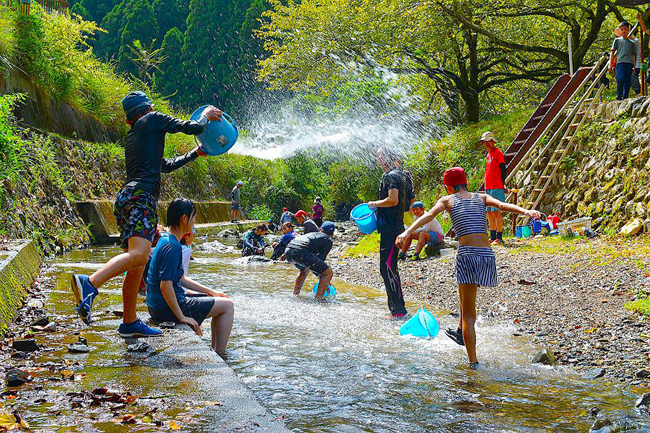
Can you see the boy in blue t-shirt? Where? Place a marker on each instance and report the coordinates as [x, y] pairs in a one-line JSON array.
[[166, 298]]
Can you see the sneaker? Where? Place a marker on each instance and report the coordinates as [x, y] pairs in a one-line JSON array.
[[494, 243], [474, 365], [84, 293], [137, 329], [415, 257], [456, 335], [401, 256]]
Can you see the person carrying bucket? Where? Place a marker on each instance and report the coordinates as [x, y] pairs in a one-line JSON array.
[[308, 253], [394, 197], [496, 173], [235, 205], [475, 262], [136, 205]]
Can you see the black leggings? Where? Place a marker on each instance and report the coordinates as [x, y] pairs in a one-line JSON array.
[[388, 269]]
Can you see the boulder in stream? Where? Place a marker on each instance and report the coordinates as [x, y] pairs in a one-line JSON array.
[[25, 346], [228, 233], [41, 321], [16, 377], [643, 401], [545, 357]]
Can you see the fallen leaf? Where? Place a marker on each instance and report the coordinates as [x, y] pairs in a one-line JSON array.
[[67, 374], [131, 399], [173, 425], [129, 419]]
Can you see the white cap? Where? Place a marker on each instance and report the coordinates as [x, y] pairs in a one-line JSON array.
[[239, 182], [487, 136]]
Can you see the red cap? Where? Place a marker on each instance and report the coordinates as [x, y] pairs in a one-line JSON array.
[[284, 209], [454, 176], [301, 213]]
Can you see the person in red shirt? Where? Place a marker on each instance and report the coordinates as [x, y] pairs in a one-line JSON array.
[[495, 180]]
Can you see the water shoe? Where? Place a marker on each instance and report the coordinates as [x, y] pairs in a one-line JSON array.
[[84, 293], [456, 335], [401, 256], [137, 329], [415, 257]]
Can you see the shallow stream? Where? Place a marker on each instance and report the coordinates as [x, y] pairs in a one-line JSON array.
[[340, 366]]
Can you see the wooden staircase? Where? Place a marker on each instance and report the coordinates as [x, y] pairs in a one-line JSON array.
[[561, 143]]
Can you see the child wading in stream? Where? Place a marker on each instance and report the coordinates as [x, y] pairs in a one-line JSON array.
[[475, 263], [166, 297], [136, 205]]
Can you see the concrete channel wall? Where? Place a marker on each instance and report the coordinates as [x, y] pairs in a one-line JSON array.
[[19, 266], [211, 218]]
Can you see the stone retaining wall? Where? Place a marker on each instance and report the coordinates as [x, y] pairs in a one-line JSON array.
[[607, 176], [19, 266]]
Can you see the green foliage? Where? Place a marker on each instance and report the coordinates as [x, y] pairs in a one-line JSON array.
[[641, 306], [367, 246], [141, 25], [172, 67], [11, 146], [79, 9], [260, 212], [454, 56], [170, 14]]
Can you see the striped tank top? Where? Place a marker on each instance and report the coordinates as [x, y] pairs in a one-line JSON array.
[[468, 215]]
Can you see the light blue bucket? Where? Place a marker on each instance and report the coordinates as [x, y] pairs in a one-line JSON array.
[[218, 137], [330, 291], [422, 325], [365, 218]]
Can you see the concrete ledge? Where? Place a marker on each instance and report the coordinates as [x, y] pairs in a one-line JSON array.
[[19, 267], [182, 354], [98, 215]]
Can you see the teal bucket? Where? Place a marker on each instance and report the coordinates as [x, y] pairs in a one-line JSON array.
[[365, 218], [329, 292], [422, 325], [526, 231], [218, 136]]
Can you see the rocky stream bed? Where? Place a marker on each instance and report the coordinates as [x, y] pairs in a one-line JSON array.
[[567, 296]]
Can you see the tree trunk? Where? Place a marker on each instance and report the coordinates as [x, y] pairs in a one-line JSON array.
[[472, 106]]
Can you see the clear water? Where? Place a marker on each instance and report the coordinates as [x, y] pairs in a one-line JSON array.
[[341, 367]]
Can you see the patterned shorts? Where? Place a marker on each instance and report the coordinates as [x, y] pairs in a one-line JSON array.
[[136, 215], [476, 265]]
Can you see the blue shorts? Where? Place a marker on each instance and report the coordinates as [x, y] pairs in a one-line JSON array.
[[234, 206], [197, 307], [435, 238], [499, 194]]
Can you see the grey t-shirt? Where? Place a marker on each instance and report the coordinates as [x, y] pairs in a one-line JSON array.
[[236, 194], [625, 50]]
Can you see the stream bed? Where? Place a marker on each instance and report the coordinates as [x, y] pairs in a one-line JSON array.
[[340, 366]]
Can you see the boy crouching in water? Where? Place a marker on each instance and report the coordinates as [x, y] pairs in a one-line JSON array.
[[166, 298], [308, 252]]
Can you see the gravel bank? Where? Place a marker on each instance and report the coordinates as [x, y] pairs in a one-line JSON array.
[[567, 296]]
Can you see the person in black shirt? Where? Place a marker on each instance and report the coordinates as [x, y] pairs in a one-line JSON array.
[[308, 252], [309, 225], [136, 205], [395, 194]]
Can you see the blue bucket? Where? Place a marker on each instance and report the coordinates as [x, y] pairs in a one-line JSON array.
[[365, 218], [218, 137], [330, 291], [518, 232], [422, 325]]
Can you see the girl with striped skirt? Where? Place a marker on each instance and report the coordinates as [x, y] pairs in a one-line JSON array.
[[475, 263]]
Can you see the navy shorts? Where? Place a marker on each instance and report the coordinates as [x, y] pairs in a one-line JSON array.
[[476, 265], [197, 308], [304, 259], [499, 194], [136, 214], [234, 206]]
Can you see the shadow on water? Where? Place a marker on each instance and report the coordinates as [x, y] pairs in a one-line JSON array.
[[340, 366]]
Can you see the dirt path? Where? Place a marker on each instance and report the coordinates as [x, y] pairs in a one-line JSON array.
[[569, 296]]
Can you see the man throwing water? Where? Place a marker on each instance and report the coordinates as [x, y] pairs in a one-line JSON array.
[[394, 195]]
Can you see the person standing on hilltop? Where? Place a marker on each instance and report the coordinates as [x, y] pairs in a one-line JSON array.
[[394, 200], [495, 180], [235, 205], [317, 212], [136, 205], [624, 51]]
